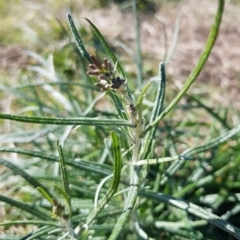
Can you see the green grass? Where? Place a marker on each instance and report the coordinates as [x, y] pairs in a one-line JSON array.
[[80, 163]]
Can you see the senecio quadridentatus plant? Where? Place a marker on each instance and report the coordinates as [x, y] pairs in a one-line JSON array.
[[140, 139], [132, 140]]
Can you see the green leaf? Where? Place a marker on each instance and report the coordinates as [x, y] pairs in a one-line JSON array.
[[129, 202], [117, 162], [41, 231], [157, 109], [64, 177], [69, 121], [78, 40], [65, 196], [63, 169], [45, 194]]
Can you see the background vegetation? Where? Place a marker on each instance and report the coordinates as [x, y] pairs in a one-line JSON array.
[[42, 74]]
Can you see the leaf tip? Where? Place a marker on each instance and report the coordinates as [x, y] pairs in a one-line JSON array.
[[69, 17]]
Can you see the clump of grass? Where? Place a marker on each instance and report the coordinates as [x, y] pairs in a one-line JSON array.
[[100, 174]]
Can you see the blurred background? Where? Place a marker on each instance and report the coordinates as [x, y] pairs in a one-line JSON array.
[[41, 27]]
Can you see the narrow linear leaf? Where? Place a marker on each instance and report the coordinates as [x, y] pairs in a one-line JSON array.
[[213, 143], [118, 104], [78, 40], [122, 133], [117, 162], [174, 40], [144, 90], [156, 161], [63, 169], [130, 202], [26, 136], [59, 83], [69, 121], [158, 104]]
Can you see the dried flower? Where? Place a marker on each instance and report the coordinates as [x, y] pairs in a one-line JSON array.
[[105, 73], [57, 208]]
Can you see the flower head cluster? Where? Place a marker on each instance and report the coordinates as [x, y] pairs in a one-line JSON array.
[[105, 73]]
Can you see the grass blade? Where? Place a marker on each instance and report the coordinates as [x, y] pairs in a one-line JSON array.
[[157, 109], [63, 169], [39, 233]]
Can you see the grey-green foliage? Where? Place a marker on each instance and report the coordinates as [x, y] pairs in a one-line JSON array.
[[111, 155]]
